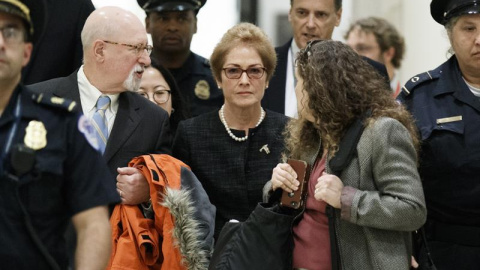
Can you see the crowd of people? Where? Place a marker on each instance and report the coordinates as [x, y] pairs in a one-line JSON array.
[[87, 135]]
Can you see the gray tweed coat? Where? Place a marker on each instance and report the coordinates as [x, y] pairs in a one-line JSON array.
[[382, 200]]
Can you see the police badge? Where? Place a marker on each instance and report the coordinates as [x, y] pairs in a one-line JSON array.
[[35, 135], [202, 90]]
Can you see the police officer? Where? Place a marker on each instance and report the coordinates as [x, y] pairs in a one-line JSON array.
[[172, 24], [49, 169], [446, 105]]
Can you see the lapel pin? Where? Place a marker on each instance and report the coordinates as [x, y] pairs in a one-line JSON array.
[[265, 149]]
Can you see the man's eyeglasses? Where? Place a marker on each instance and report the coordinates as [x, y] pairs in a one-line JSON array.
[[159, 96], [139, 48], [252, 72], [12, 35]]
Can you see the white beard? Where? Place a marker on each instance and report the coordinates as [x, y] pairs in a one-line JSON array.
[[132, 83]]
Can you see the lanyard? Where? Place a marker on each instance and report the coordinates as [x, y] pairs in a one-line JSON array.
[[13, 130]]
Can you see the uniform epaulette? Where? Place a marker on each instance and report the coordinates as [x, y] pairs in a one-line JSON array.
[[419, 79], [53, 101]]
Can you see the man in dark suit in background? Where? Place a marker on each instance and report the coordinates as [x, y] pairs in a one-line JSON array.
[[58, 52], [310, 19], [115, 55]]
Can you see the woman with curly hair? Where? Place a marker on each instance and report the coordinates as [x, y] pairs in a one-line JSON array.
[[377, 200]]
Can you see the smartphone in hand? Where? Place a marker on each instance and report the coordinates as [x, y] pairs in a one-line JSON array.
[[296, 198]]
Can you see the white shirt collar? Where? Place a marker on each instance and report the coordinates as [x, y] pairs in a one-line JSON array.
[[89, 95], [475, 91], [295, 48], [290, 106]]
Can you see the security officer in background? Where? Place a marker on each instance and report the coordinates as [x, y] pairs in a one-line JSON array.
[[49, 169], [172, 24], [446, 105]]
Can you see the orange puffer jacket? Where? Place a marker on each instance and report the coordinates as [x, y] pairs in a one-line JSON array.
[[180, 236]]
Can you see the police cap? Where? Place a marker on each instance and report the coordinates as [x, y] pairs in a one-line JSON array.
[[443, 10], [22, 10], [171, 5]]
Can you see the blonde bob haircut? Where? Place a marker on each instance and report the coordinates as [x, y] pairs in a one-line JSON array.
[[244, 34]]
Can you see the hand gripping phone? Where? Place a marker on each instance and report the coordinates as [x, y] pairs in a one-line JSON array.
[[296, 198]]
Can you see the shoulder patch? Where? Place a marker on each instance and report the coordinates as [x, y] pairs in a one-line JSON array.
[[419, 79], [87, 129], [53, 101]]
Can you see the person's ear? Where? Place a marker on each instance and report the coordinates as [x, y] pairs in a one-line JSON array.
[[389, 54], [99, 50], [339, 17], [195, 25], [27, 53]]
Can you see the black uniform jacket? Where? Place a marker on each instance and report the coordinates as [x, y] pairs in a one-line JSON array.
[[67, 176], [447, 115], [197, 85]]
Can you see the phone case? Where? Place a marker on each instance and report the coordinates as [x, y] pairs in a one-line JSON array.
[[296, 198]]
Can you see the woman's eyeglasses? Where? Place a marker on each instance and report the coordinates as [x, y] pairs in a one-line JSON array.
[[159, 96], [252, 72]]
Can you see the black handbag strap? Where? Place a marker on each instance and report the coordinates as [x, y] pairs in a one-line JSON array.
[[348, 145], [431, 265], [346, 151]]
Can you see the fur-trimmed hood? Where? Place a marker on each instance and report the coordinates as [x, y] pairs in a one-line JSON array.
[[188, 232], [178, 235]]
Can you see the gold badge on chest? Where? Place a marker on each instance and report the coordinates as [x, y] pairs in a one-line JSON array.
[[202, 90], [35, 135]]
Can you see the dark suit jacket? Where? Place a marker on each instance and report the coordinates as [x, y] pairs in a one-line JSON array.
[[58, 52], [274, 98], [140, 126]]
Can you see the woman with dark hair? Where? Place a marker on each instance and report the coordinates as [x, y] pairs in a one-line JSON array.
[[377, 200], [159, 86]]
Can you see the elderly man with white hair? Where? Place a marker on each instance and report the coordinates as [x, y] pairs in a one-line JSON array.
[[115, 55]]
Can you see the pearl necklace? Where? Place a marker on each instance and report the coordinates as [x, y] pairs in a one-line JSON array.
[[224, 122]]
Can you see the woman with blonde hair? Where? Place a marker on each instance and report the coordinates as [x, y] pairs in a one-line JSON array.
[[233, 150]]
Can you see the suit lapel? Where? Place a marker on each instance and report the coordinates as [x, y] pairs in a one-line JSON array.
[[126, 121], [274, 98]]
